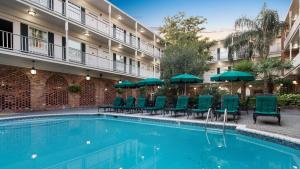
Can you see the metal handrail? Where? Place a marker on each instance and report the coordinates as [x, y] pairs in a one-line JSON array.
[[225, 119], [209, 113]]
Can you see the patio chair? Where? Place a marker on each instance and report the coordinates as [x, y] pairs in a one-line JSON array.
[[231, 103], [266, 105], [141, 104], [204, 103], [160, 103], [181, 106], [118, 101], [128, 105]]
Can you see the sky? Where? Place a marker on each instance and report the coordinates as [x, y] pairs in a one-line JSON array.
[[220, 14]]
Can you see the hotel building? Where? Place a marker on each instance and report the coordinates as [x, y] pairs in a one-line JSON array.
[[291, 40], [50, 46], [220, 57]]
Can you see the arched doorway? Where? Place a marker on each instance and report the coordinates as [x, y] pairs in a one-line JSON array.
[[56, 91], [87, 93], [14, 91]]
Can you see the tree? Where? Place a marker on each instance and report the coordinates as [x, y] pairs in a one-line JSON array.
[[244, 66], [256, 35], [185, 52], [270, 68]]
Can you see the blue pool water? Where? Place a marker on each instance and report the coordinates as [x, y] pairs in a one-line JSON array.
[[95, 142]]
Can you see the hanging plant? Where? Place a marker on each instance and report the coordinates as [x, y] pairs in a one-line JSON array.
[[120, 91], [74, 88]]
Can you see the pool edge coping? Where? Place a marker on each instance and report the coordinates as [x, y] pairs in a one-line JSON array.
[[241, 128]]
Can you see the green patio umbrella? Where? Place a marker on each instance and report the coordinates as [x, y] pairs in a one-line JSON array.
[[185, 78], [233, 76], [150, 82], [125, 85]]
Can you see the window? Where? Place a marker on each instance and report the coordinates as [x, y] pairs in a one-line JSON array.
[[75, 45], [229, 67], [38, 38], [218, 70], [218, 53]]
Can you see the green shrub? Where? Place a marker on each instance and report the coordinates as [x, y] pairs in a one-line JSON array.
[[289, 100], [215, 92], [74, 88]]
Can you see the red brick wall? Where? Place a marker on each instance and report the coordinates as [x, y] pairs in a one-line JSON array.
[[21, 91]]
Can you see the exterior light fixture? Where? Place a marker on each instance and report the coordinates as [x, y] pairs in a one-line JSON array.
[[142, 30], [120, 46], [281, 84], [31, 12], [33, 70], [87, 77], [120, 17], [142, 55], [295, 82], [158, 87], [86, 33], [250, 86], [195, 88], [120, 81], [105, 89]]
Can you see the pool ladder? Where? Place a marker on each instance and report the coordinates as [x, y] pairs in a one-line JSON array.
[[209, 115], [225, 119]]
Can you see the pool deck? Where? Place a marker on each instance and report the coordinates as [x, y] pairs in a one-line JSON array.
[[290, 123]]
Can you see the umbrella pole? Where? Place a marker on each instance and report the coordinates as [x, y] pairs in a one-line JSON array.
[[231, 87]]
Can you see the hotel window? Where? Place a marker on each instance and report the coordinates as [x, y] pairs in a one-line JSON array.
[[218, 53], [39, 38], [229, 68], [218, 70]]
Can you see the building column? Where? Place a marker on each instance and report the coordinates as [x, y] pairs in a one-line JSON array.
[[109, 19], [291, 47], [135, 52], [154, 63], [67, 40], [290, 20]]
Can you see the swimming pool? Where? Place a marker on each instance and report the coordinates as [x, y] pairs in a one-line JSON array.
[[101, 142]]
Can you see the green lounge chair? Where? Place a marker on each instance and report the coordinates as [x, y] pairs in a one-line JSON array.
[[181, 106], [118, 101], [129, 104], [266, 105], [204, 104], [231, 103], [141, 104], [160, 103]]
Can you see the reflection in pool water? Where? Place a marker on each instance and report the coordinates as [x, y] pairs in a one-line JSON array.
[[104, 143]]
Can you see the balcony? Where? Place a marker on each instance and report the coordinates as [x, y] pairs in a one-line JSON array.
[[146, 47], [57, 6], [33, 48], [89, 20], [98, 24], [292, 32]]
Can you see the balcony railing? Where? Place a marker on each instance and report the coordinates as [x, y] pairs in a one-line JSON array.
[[146, 47], [292, 32], [58, 6], [39, 48], [88, 19], [93, 22]]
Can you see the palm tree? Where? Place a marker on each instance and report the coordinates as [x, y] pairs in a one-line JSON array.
[[255, 35]]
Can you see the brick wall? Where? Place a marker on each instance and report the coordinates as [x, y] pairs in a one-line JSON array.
[[20, 91]]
